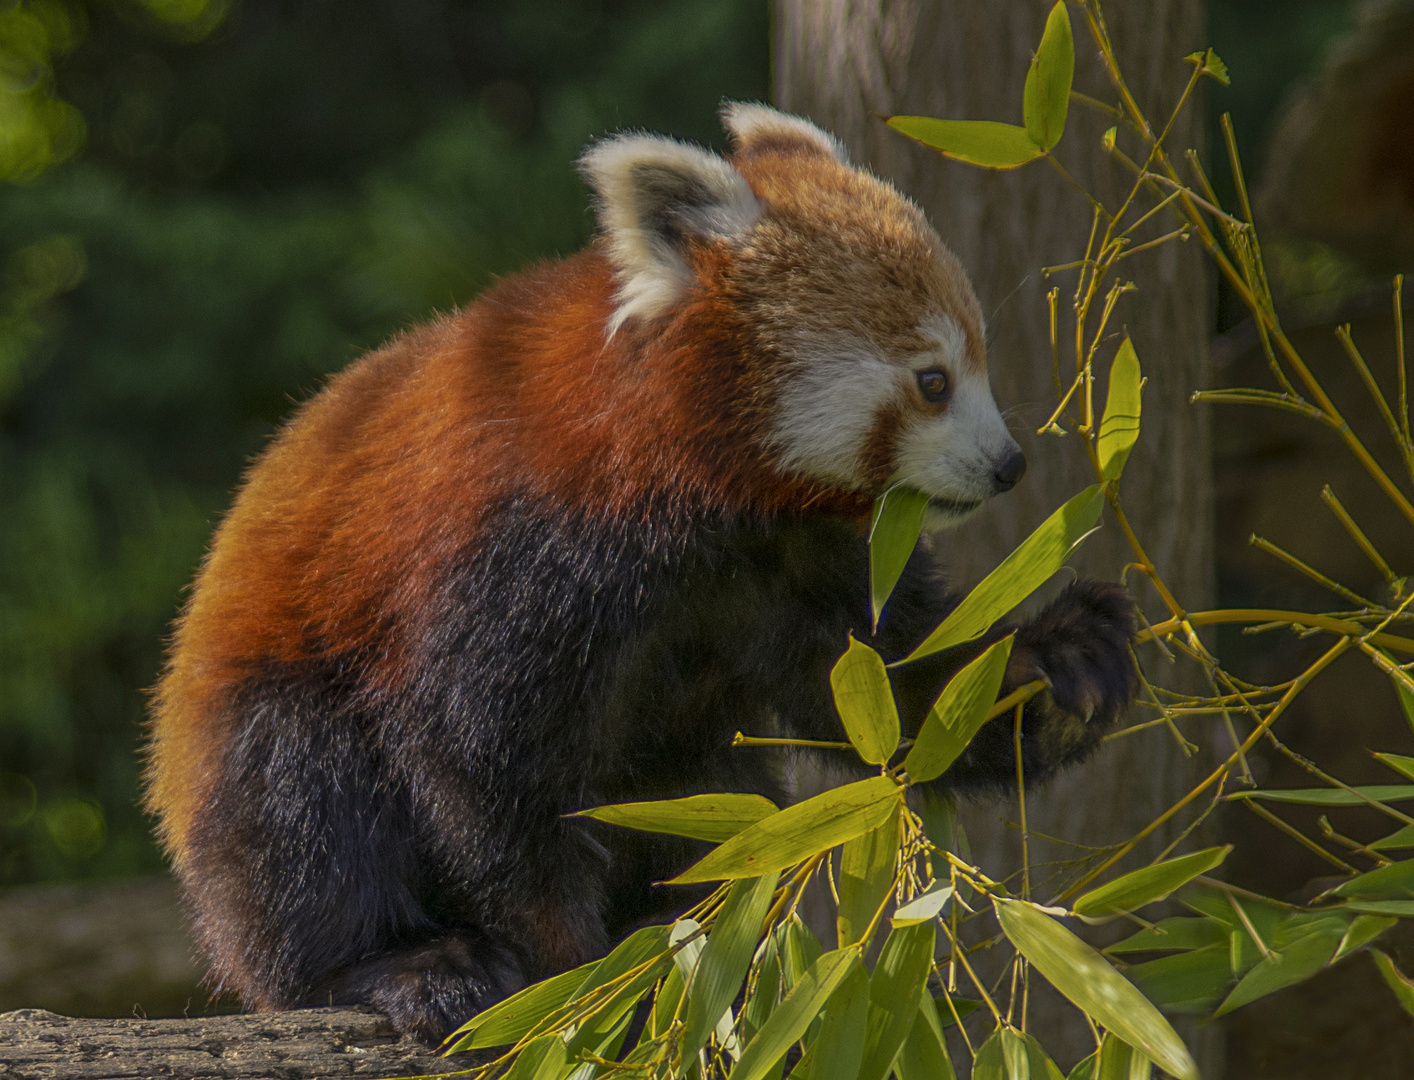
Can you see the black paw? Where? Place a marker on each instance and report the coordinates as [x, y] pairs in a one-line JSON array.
[[430, 990], [1080, 646]]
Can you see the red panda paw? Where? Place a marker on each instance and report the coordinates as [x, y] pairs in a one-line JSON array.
[[432, 989]]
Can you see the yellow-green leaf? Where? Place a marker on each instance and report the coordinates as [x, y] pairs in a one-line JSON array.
[[701, 817], [1020, 574], [1295, 963], [1363, 930], [865, 701], [896, 991], [1210, 64], [989, 1063], [1187, 981], [1047, 94], [1331, 796], [727, 955], [1396, 980], [1015, 1059], [958, 714], [800, 831], [923, 908], [1174, 935], [508, 1021], [1039, 1062], [792, 1016], [1399, 763], [925, 1052], [1406, 699], [1086, 978], [977, 142], [1119, 428], [1147, 885], [1395, 882], [893, 534], [837, 1050], [1117, 1060], [866, 877]]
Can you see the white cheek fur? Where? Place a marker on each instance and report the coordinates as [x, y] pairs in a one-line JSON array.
[[952, 456], [828, 407]]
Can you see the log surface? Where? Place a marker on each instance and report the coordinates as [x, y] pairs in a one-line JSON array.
[[40, 1045]]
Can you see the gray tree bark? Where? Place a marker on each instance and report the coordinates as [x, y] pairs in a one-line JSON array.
[[847, 63]]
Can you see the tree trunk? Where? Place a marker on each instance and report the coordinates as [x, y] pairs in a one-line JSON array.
[[846, 63]]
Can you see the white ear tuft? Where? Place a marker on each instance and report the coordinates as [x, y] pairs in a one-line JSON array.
[[752, 126], [655, 194]]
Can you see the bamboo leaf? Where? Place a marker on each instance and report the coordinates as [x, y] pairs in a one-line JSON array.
[[799, 950], [1020, 574], [716, 818], [793, 1015], [725, 959], [800, 831], [1394, 882], [977, 142], [1189, 981], [957, 715], [1406, 699], [1295, 963], [836, 1052], [542, 1059], [1363, 930], [866, 877], [1402, 837], [925, 1052], [865, 702], [1396, 980], [1210, 64], [1084, 977], [1331, 796], [893, 534], [1117, 1060], [989, 1064], [1015, 1060], [1399, 763], [1179, 933], [923, 908], [1039, 1062], [1047, 94], [896, 991], [1403, 909], [762, 1001], [1146, 885], [1119, 429], [508, 1021]]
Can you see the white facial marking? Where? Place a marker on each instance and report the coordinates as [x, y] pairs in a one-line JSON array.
[[828, 405]]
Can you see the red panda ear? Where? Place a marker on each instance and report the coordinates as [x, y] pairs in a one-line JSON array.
[[759, 127], [655, 196]]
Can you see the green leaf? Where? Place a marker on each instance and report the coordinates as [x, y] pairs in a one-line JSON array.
[[1179, 933], [799, 950], [893, 534], [1189, 981], [793, 1015], [1041, 1066], [800, 831], [1295, 963], [1406, 699], [639, 947], [1146, 885], [1403, 909], [977, 142], [1047, 95], [1084, 977], [1117, 1060], [1396, 980], [1015, 1059], [1397, 840], [938, 811], [508, 1021], [866, 877], [1085, 1068], [665, 1002], [762, 1001], [896, 991], [964, 1007], [702, 817], [1399, 763], [1331, 796], [1021, 573], [728, 953], [542, 1059], [836, 1052], [1119, 429], [923, 908], [925, 1052], [1209, 64], [1361, 932], [1394, 882], [958, 714], [865, 701], [989, 1064]]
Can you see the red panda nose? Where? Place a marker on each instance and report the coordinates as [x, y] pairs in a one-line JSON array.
[[1012, 469]]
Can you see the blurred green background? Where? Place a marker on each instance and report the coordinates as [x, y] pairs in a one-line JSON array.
[[209, 205]]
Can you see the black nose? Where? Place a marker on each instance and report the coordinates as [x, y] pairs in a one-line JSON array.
[[1012, 469]]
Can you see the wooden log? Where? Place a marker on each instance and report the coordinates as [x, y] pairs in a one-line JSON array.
[[303, 1043]]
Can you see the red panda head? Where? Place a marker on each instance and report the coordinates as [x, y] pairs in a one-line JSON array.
[[867, 326]]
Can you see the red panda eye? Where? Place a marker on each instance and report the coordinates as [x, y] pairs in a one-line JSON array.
[[933, 384]]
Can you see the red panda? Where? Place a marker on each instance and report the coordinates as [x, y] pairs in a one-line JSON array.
[[552, 550]]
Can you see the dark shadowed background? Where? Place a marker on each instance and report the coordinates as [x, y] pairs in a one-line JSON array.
[[209, 205]]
